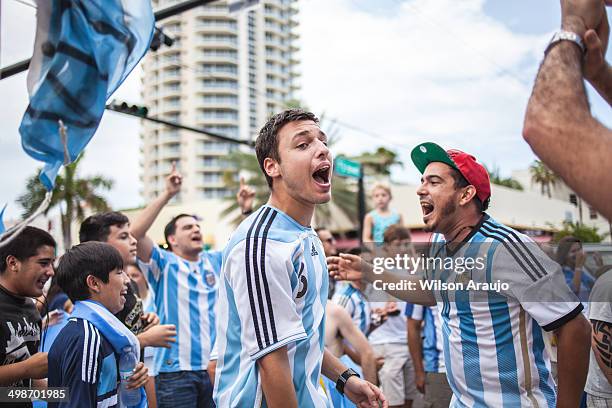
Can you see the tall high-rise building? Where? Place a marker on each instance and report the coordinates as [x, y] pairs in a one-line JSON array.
[[226, 73]]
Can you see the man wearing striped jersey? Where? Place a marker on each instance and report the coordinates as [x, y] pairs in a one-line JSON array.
[[351, 298], [493, 347], [184, 280], [274, 283], [425, 344]]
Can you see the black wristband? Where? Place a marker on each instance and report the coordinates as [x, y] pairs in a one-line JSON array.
[[247, 212], [341, 382]]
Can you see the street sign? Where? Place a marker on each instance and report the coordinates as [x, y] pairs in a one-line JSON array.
[[347, 168]]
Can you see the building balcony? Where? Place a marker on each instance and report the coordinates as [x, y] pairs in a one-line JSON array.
[[217, 43], [228, 28], [223, 104], [217, 58]]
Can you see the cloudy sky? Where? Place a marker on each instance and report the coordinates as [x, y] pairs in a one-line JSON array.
[[387, 72]]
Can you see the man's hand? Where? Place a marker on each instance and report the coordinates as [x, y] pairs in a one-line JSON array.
[[160, 335], [347, 267], [380, 361], [52, 318], [149, 319], [245, 197], [364, 394], [139, 377], [580, 15], [596, 42], [174, 181], [419, 380], [37, 366]]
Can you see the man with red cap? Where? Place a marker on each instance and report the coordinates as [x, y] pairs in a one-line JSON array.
[[495, 291]]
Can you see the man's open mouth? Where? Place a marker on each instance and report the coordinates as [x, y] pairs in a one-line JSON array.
[[322, 174], [427, 208]]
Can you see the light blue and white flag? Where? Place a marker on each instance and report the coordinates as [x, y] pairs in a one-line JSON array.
[[83, 51], [2, 227]]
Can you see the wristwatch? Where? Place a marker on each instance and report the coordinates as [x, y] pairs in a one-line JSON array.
[[565, 36], [344, 378]]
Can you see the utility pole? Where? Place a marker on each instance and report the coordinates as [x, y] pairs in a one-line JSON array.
[[170, 11]]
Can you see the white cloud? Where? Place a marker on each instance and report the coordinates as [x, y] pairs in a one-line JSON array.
[[436, 70], [439, 70]]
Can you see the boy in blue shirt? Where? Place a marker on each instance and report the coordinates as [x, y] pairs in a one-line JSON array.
[[85, 354]]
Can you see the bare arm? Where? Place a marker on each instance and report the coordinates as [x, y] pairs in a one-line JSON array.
[[360, 392], [559, 126], [34, 367], [352, 267], [276, 379], [353, 355], [573, 360], [602, 347], [145, 219], [356, 338], [416, 351], [367, 229]]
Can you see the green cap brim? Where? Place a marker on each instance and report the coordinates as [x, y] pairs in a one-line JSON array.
[[428, 152]]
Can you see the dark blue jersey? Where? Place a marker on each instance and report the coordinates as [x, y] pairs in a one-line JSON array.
[[82, 360]]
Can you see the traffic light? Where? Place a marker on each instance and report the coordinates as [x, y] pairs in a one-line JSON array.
[[159, 38], [123, 107]]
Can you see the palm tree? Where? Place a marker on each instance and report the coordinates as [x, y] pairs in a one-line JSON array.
[[496, 178], [542, 175], [379, 162], [71, 194]]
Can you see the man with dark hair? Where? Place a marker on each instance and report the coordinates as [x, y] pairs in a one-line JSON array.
[[184, 280], [84, 356], [114, 228], [485, 328], [26, 263], [274, 283]]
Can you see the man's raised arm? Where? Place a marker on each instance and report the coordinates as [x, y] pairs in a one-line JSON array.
[[145, 219], [354, 268], [559, 125]]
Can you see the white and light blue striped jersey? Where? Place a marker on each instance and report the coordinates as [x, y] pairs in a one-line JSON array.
[[351, 299], [273, 292], [433, 349], [185, 296], [493, 344]]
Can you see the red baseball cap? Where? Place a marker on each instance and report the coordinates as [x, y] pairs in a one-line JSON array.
[[464, 163]]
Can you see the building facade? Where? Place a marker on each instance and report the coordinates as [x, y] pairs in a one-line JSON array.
[[227, 73]]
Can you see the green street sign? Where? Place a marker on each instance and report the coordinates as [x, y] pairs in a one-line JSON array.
[[347, 168]]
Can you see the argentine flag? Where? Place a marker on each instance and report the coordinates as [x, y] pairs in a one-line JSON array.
[[83, 51]]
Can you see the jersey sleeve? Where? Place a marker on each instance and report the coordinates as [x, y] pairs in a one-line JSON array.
[[600, 307], [414, 312], [81, 366], [535, 281], [153, 269], [216, 258], [260, 272]]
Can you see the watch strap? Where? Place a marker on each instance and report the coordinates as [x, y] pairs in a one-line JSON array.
[[564, 35], [341, 382]]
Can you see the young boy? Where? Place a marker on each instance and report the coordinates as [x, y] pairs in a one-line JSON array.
[[274, 283], [26, 263], [85, 355]]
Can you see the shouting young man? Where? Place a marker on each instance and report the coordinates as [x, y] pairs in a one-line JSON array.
[[495, 291], [274, 283]]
